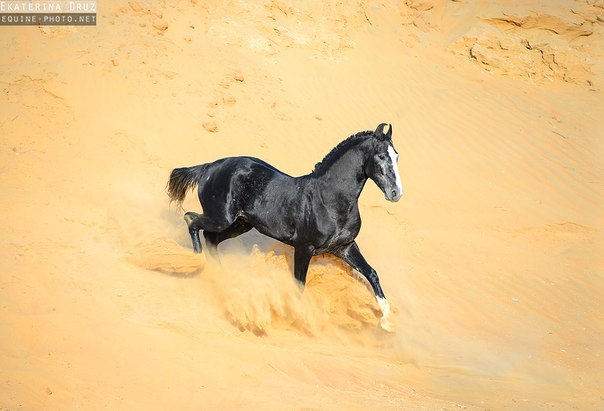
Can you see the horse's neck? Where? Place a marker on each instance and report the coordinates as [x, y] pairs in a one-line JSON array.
[[345, 177]]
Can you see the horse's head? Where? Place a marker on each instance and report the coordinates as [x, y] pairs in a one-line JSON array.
[[381, 164]]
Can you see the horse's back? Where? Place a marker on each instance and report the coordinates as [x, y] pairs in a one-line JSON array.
[[231, 185], [243, 170]]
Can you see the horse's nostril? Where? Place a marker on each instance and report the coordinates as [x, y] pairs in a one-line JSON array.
[[393, 193]]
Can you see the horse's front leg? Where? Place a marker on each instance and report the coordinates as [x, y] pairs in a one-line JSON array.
[[352, 255], [302, 256]]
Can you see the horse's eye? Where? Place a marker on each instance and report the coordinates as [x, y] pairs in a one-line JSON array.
[[381, 156]]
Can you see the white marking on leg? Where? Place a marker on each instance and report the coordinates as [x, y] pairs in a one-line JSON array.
[[394, 160], [385, 322]]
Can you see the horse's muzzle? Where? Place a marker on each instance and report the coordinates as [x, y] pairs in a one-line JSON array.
[[394, 195]]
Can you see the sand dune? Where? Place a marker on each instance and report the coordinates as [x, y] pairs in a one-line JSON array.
[[492, 259]]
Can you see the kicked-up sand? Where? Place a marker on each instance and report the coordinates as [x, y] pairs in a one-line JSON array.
[[492, 260]]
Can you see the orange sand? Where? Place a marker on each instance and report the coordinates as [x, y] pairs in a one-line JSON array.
[[492, 260]]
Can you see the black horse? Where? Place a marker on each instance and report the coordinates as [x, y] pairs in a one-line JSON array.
[[316, 213]]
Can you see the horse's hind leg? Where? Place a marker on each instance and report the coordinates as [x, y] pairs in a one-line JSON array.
[[196, 222], [190, 219], [239, 227]]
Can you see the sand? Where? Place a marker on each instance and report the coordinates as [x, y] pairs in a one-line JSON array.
[[492, 260]]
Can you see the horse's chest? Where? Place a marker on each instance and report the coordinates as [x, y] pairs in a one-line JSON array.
[[348, 229]]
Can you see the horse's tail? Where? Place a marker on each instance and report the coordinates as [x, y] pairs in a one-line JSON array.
[[182, 180]]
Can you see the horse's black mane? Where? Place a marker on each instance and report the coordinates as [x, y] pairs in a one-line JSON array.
[[342, 146]]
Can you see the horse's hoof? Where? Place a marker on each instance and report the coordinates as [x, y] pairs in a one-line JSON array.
[[387, 325]]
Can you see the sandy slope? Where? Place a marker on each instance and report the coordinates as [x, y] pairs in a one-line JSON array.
[[492, 259]]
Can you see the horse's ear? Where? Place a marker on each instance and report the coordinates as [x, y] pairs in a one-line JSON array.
[[379, 132], [389, 132]]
